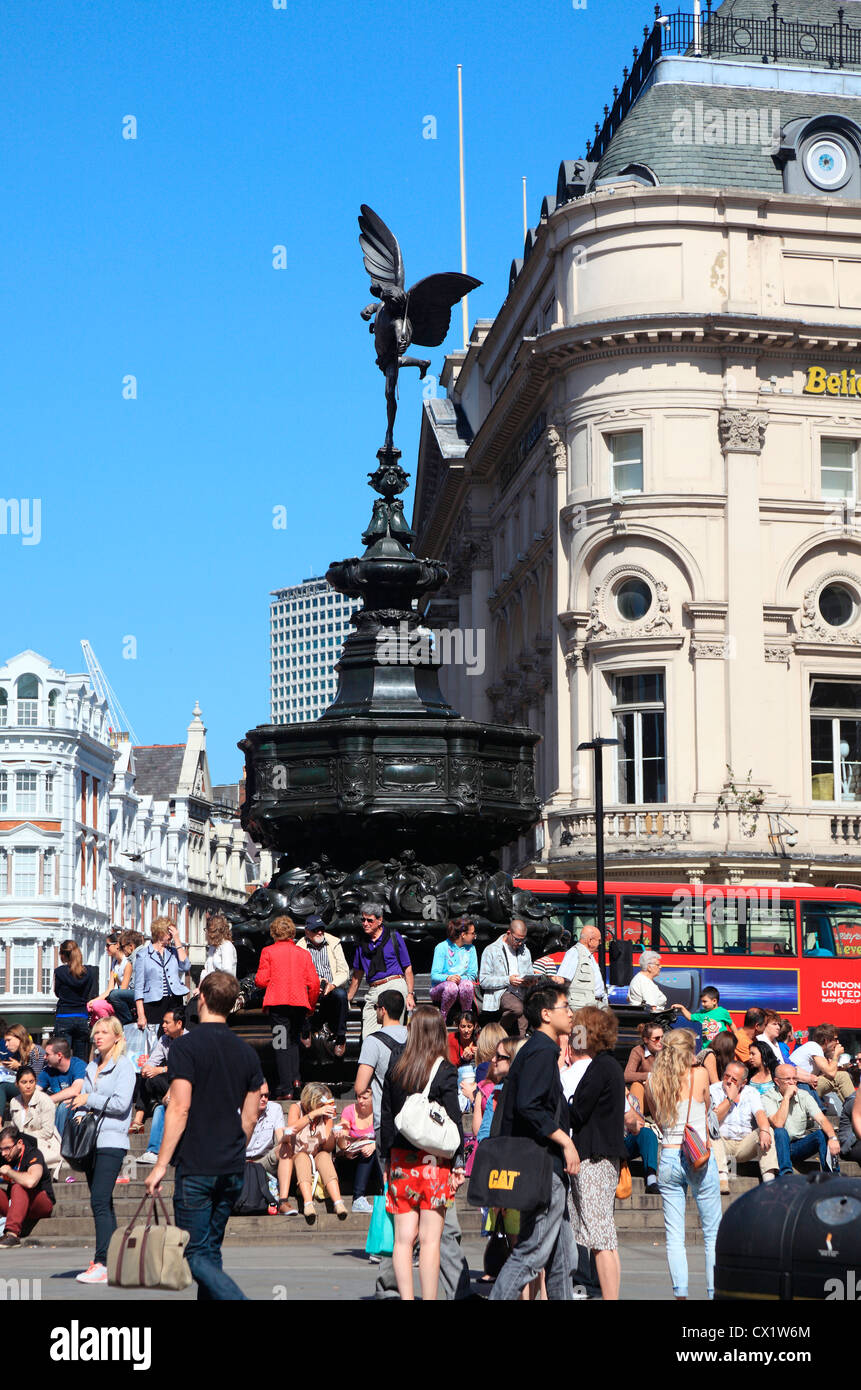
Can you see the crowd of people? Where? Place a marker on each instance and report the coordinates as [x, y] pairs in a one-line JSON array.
[[506, 1047]]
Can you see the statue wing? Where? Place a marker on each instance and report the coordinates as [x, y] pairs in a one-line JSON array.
[[383, 260], [430, 304]]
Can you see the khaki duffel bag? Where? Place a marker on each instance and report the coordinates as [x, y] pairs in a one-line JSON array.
[[149, 1255]]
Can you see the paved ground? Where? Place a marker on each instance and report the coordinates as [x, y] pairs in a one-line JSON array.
[[318, 1271]]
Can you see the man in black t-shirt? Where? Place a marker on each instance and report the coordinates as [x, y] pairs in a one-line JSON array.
[[26, 1194], [215, 1081]]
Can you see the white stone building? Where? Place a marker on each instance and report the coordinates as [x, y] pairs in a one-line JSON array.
[[645, 475], [96, 835]]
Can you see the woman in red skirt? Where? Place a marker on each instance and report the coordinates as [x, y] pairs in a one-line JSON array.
[[419, 1184]]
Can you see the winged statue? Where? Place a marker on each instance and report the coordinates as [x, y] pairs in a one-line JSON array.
[[399, 317]]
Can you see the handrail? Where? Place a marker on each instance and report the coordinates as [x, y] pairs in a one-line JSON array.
[[769, 40]]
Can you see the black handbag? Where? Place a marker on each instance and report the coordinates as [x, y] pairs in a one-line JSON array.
[[516, 1174], [78, 1144]]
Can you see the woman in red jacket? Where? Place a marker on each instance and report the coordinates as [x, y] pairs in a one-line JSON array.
[[292, 986]]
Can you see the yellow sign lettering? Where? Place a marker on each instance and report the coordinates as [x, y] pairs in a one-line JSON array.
[[815, 385]]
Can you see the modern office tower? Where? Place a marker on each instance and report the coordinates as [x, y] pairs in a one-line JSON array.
[[309, 622]]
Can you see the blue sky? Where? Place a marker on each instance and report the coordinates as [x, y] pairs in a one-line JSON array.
[[256, 387]]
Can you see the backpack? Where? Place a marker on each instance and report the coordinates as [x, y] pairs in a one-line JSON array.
[[426, 1125], [254, 1198]]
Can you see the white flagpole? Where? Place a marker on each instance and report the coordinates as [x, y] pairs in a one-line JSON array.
[[462, 201], [525, 227]]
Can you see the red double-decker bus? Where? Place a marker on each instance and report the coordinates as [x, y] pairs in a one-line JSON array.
[[783, 946]]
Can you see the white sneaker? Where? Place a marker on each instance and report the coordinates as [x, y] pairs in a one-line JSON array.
[[147, 1157], [96, 1274], [362, 1204]]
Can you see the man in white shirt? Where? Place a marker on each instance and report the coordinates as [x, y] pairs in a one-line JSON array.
[[745, 1133], [264, 1147], [580, 973], [820, 1056]]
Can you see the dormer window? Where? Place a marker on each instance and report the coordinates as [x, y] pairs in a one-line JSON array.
[[27, 690]]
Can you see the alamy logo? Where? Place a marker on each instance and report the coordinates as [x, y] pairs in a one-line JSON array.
[[20, 1290], [734, 125], [421, 646], [21, 518], [77, 1343]]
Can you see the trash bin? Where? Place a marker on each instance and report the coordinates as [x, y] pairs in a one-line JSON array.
[[796, 1237]]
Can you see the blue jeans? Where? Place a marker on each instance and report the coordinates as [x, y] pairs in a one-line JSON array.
[[61, 1115], [789, 1149], [101, 1177], [546, 1242], [156, 1130], [75, 1027], [673, 1182], [123, 1004], [646, 1145], [201, 1206]]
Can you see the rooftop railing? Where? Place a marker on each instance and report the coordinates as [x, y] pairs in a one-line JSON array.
[[772, 39]]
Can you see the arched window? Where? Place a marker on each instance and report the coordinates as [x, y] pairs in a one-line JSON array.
[[53, 701], [27, 688]]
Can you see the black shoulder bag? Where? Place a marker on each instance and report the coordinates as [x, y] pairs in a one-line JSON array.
[[78, 1145], [516, 1174]]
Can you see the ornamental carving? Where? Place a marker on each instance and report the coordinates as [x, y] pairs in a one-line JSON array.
[[556, 448], [742, 431], [661, 621], [720, 650], [778, 653], [464, 779], [355, 779], [662, 617], [813, 626]]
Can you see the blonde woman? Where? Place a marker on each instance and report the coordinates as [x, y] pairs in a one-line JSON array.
[[489, 1039], [75, 984], [108, 1088], [678, 1093], [309, 1135]]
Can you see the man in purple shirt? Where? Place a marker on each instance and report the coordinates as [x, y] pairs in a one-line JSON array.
[[384, 961]]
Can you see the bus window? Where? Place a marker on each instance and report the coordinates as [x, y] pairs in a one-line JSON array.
[[831, 929], [746, 923], [660, 924], [574, 913]]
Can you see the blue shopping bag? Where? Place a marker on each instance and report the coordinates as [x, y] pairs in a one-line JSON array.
[[381, 1231]]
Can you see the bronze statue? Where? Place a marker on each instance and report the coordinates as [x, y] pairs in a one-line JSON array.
[[400, 317]]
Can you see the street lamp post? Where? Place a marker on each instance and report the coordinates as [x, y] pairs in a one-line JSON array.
[[597, 745]]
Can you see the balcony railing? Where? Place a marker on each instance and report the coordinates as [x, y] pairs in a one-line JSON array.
[[656, 824], [770, 40]]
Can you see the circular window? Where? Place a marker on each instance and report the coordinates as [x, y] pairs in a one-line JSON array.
[[837, 605], [633, 600], [826, 162]]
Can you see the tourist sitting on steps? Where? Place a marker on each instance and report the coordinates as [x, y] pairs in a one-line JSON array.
[[26, 1194]]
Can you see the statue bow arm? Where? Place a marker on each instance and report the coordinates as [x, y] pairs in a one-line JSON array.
[[383, 260], [430, 302]]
